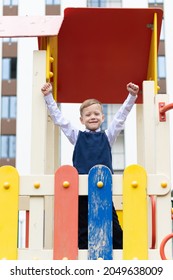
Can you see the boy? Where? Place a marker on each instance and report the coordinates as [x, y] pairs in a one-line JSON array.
[[92, 147]]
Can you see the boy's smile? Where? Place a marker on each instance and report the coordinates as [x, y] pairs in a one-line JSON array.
[[92, 117]]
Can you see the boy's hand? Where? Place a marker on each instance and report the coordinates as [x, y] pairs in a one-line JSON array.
[[46, 89], [132, 89]]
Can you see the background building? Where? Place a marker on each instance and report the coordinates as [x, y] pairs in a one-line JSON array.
[[16, 83]]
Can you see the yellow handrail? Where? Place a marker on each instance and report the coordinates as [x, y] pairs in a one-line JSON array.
[[50, 44], [152, 64]]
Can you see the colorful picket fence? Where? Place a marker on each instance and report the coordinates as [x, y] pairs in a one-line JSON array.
[[134, 194]]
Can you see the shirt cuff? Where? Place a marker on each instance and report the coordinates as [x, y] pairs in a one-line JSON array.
[[132, 98], [48, 98]]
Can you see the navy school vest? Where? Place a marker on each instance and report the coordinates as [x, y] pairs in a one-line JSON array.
[[91, 148]]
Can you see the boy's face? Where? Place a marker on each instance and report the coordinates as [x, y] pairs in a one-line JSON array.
[[92, 117]]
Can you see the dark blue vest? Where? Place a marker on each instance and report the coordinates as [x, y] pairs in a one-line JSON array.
[[91, 148]]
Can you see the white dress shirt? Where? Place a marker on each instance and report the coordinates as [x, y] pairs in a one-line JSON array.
[[71, 132]]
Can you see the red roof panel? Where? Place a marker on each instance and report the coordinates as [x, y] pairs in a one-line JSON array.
[[100, 50]]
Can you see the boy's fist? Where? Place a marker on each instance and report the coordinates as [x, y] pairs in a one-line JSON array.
[[132, 88], [46, 89]]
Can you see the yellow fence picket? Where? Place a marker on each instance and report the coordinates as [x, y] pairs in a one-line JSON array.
[[9, 196], [135, 223]]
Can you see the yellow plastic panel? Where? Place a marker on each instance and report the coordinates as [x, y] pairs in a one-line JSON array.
[[135, 230], [9, 191]]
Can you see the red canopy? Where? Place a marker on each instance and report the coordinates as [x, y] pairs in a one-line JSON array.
[[100, 50]]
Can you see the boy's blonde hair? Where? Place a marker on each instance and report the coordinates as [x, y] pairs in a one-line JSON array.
[[89, 102]]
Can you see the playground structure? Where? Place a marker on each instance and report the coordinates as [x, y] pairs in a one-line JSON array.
[[62, 44]]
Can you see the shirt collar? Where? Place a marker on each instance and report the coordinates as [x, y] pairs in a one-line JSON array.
[[97, 130]]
